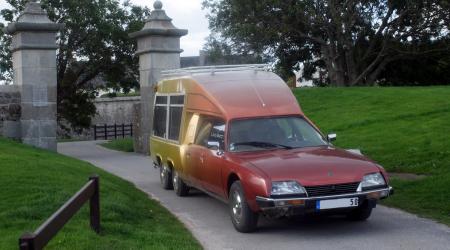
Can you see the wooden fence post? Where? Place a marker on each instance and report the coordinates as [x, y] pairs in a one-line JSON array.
[[94, 205], [26, 242], [106, 132]]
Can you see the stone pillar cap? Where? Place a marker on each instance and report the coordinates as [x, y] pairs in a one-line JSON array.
[[159, 24], [33, 18]]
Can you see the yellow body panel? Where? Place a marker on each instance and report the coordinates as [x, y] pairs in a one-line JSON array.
[[167, 152]]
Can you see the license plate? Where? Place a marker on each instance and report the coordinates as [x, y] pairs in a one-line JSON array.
[[337, 203]]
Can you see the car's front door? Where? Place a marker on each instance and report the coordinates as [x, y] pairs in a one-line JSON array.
[[213, 162], [195, 153], [205, 168]]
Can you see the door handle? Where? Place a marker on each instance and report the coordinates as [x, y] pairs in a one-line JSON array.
[[188, 155], [202, 158]]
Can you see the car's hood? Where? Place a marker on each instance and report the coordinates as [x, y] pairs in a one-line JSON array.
[[311, 166]]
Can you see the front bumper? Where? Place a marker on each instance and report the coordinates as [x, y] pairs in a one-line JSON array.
[[301, 205]]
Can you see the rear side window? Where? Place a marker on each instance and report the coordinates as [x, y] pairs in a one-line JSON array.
[[167, 118], [159, 121], [175, 122]]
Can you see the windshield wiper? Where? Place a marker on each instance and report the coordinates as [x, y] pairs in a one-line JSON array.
[[262, 144]]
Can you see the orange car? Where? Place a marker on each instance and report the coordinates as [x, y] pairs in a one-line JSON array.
[[238, 134]]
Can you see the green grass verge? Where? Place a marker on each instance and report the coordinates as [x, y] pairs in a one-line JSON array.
[[125, 145], [35, 183], [404, 129]]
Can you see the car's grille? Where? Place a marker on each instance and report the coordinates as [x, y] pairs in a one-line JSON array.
[[336, 189]]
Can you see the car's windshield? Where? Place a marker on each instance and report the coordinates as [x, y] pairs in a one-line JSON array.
[[274, 132]]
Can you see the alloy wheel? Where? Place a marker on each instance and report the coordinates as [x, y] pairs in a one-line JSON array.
[[237, 207], [175, 181]]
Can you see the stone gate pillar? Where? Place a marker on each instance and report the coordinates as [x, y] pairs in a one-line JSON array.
[[158, 49], [34, 64]]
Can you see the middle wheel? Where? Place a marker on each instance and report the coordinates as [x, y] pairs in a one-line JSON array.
[[180, 188]]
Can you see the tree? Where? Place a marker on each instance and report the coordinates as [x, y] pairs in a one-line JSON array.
[[94, 51], [5, 57], [353, 40], [219, 51]]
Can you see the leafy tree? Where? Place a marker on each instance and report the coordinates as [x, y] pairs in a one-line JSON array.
[[354, 40], [5, 55], [220, 51], [414, 70], [94, 51]]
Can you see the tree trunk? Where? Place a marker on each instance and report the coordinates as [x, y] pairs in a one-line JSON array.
[[351, 66], [335, 67]]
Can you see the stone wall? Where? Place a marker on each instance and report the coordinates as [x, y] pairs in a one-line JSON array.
[[110, 111], [115, 110], [10, 111]]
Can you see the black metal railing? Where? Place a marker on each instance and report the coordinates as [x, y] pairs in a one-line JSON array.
[[105, 132]]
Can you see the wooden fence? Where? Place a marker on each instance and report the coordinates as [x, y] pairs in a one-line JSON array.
[[105, 132], [40, 238]]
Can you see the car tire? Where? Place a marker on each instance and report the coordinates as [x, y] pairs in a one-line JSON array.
[[165, 176], [243, 218], [180, 188], [360, 214]]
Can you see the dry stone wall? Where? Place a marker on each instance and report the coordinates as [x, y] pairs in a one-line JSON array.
[[10, 111]]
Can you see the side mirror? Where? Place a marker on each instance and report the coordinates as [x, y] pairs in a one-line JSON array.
[[331, 137], [215, 145]]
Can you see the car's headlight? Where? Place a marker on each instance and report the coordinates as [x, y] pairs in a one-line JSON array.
[[286, 188], [372, 180]]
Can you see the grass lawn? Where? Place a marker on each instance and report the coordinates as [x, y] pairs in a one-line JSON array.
[[404, 129], [125, 145], [35, 183]]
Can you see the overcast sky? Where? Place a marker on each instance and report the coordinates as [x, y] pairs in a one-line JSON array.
[[186, 14]]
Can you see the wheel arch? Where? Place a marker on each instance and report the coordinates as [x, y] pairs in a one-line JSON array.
[[158, 159], [170, 164], [232, 177]]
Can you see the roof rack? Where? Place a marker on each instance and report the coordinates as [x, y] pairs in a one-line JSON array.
[[214, 69]]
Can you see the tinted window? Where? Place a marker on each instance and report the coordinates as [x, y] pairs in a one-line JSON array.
[[159, 121], [175, 122], [161, 100], [177, 99]]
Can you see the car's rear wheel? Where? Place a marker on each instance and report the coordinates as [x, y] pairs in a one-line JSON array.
[[165, 176], [180, 188], [243, 218], [360, 214]]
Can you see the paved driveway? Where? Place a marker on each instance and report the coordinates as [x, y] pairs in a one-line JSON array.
[[208, 219]]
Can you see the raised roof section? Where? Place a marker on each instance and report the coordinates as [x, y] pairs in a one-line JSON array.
[[238, 91]]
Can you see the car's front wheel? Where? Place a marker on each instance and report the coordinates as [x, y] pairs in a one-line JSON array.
[[165, 176], [243, 218], [180, 188]]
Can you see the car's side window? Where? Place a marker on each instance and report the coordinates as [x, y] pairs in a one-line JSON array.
[[211, 129], [203, 133], [218, 133]]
